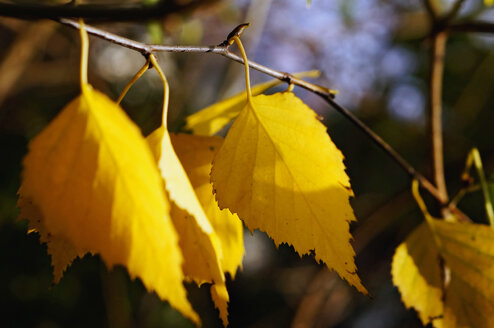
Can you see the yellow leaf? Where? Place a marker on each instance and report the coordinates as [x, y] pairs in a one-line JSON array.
[[212, 119], [489, 2], [61, 250], [468, 250], [93, 179], [196, 154], [417, 274], [219, 294], [200, 245], [280, 172]]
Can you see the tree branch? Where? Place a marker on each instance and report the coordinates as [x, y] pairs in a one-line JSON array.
[[325, 93], [100, 12], [475, 27], [455, 9], [222, 49], [435, 118], [409, 169], [430, 10]]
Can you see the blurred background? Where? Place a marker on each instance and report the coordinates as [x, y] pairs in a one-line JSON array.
[[375, 52]]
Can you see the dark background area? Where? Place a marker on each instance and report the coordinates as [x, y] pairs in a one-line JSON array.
[[375, 52]]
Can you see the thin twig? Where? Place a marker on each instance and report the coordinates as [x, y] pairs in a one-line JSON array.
[[222, 49], [455, 9], [144, 48], [21, 53], [435, 118], [430, 10], [468, 189], [409, 169], [325, 93], [471, 27]]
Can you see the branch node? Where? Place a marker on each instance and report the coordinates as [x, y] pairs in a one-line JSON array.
[[237, 31]]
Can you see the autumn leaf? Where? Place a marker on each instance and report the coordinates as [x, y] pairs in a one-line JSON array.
[[416, 271], [219, 294], [212, 119], [90, 185], [200, 246], [196, 155], [183, 195], [280, 172], [468, 251], [61, 250], [94, 183]]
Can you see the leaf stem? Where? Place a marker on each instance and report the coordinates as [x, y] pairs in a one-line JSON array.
[[246, 65], [166, 89], [419, 200], [136, 77], [474, 158], [84, 53]]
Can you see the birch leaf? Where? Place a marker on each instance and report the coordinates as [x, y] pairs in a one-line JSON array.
[[196, 155], [61, 251], [94, 181], [280, 172], [416, 272], [468, 250], [212, 119], [219, 294], [200, 245]]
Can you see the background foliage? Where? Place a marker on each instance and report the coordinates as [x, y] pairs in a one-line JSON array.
[[374, 52]]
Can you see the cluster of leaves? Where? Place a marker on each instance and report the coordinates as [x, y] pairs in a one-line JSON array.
[[168, 206], [93, 184]]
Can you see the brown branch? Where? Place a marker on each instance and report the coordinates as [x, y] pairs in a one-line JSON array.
[[222, 49], [471, 27], [409, 169], [21, 53], [119, 12], [455, 9], [435, 110], [325, 93], [430, 10]]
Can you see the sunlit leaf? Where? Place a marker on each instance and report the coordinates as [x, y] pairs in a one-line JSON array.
[[196, 155], [93, 180], [61, 250], [280, 172], [489, 2], [212, 119], [416, 272], [219, 294], [468, 251], [200, 245]]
